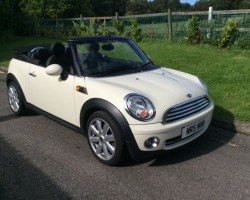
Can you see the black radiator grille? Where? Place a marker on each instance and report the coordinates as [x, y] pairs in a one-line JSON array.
[[186, 109]]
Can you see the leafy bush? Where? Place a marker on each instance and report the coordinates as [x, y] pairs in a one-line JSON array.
[[78, 29], [136, 32], [193, 31], [103, 29], [119, 25], [82, 29], [229, 34], [91, 29]]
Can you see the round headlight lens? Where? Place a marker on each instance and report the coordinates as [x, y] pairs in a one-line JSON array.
[[139, 107]]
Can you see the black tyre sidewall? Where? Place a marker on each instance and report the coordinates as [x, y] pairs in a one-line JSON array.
[[120, 148]]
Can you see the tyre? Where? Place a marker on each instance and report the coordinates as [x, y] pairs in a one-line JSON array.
[[105, 139], [16, 99]]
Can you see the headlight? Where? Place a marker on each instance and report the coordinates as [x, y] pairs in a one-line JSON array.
[[139, 107], [204, 84]]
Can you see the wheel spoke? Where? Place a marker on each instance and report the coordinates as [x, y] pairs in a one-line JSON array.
[[105, 151], [94, 139], [110, 147], [16, 105], [110, 138], [17, 100], [11, 96], [95, 131], [105, 129], [11, 90], [99, 148], [99, 126]]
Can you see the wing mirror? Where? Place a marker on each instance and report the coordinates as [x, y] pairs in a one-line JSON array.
[[54, 70]]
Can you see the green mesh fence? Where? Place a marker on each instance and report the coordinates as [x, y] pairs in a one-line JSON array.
[[155, 26]]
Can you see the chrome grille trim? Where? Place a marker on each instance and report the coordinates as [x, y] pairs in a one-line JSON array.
[[186, 109]]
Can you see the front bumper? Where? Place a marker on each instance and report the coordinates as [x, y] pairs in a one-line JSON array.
[[171, 131]]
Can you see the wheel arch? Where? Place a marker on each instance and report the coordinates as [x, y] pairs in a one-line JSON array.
[[10, 77], [98, 104]]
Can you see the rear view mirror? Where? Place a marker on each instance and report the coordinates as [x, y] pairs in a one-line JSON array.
[[54, 70], [107, 47]]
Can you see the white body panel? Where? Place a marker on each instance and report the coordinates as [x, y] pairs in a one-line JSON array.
[[52, 94]]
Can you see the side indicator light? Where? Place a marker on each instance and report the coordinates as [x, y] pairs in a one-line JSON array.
[[81, 89], [78, 88]]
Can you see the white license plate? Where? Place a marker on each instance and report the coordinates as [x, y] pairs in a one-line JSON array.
[[193, 128]]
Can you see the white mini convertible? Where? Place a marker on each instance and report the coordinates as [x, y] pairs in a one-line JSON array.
[[107, 88]]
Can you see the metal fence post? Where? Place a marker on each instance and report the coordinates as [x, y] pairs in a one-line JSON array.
[[116, 16], [81, 19], [169, 25], [210, 22]]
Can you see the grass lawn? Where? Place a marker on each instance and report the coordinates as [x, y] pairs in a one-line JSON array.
[[226, 72]]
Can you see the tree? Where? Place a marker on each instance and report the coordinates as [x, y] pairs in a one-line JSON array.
[[217, 4], [202, 5], [245, 4], [79, 7], [135, 7], [163, 5], [54, 8], [186, 7], [108, 7], [12, 21]]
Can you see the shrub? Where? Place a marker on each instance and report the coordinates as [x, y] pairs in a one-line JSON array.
[[91, 29], [193, 31], [119, 25], [84, 30], [229, 34], [78, 29], [103, 29], [136, 33]]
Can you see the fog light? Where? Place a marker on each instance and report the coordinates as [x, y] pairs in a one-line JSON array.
[[152, 142]]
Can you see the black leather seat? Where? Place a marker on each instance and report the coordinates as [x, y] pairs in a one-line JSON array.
[[43, 55], [59, 57]]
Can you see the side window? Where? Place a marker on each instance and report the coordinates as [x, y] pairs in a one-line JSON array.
[[82, 51]]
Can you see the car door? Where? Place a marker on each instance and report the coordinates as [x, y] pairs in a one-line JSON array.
[[52, 94]]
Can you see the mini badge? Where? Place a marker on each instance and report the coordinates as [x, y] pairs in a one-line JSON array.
[[189, 95]]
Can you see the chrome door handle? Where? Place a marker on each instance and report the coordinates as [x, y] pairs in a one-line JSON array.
[[32, 74]]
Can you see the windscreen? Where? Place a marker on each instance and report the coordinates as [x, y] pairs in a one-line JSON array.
[[111, 57]]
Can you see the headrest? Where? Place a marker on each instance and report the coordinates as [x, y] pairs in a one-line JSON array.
[[93, 46], [57, 49], [43, 54]]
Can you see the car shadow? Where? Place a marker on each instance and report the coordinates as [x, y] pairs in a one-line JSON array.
[[211, 140], [19, 179], [8, 117]]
